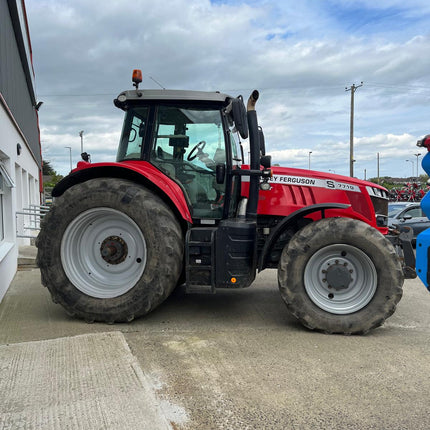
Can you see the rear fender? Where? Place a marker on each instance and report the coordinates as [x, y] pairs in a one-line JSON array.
[[145, 174], [292, 220]]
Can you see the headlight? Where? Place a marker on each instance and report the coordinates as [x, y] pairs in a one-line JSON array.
[[377, 192]]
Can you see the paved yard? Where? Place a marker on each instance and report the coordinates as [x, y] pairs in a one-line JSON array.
[[235, 360]]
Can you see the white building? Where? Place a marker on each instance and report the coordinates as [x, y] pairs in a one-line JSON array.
[[20, 155]]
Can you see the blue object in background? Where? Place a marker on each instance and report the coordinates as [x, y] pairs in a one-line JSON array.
[[423, 239]]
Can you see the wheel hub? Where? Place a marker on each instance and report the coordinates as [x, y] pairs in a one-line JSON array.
[[340, 279], [103, 252], [338, 276], [114, 250]]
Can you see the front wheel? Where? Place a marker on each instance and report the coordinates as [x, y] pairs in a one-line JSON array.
[[339, 275]]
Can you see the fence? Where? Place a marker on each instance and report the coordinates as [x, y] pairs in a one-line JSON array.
[[28, 220]]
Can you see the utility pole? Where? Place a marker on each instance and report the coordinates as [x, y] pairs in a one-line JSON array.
[[309, 164], [353, 89]]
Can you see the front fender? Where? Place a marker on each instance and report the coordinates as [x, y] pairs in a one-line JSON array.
[[140, 172], [291, 220]]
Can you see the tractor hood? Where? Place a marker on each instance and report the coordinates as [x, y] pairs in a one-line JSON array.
[[293, 189], [316, 179]]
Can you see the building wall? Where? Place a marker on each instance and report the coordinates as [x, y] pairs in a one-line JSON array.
[[16, 72], [24, 173], [19, 170]]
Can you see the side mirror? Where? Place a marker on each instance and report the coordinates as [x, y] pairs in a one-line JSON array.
[[262, 143], [266, 161], [220, 173], [238, 113], [406, 217]]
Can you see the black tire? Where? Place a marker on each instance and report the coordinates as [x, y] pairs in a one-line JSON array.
[[339, 275], [109, 250]]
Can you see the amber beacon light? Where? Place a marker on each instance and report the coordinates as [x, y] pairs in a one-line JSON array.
[[137, 77]]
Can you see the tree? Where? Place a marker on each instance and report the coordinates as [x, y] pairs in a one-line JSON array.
[[423, 179], [385, 181], [47, 168]]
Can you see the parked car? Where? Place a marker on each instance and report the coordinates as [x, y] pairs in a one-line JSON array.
[[408, 214]]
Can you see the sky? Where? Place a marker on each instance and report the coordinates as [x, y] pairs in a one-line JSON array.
[[300, 55]]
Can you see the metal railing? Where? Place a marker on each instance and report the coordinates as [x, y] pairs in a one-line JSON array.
[[28, 220]]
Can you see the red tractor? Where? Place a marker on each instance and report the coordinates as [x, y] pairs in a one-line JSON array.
[[179, 206]]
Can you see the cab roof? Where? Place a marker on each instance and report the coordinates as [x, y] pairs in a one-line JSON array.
[[170, 95]]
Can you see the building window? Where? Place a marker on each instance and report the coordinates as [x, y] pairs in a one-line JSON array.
[[5, 181], [1, 208]]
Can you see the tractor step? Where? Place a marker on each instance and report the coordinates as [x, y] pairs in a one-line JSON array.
[[200, 289], [200, 260]]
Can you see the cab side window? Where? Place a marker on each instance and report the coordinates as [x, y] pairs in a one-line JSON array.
[[133, 134]]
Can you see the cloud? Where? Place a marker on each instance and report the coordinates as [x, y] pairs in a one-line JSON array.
[[299, 55]]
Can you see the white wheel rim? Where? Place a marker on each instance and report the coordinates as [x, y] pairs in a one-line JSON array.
[[103, 253], [354, 275]]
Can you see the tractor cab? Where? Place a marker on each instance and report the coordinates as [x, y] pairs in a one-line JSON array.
[[192, 138], [186, 142]]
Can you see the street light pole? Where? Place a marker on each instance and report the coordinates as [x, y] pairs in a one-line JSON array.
[[309, 164], [81, 133], [353, 89], [70, 156], [377, 165], [412, 161], [417, 155]]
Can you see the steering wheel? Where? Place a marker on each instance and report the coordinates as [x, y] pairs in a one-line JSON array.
[[199, 147]]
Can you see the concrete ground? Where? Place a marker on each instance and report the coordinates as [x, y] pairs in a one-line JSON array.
[[235, 360]]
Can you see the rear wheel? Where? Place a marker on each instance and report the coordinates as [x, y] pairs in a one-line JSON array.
[[110, 250], [340, 275]]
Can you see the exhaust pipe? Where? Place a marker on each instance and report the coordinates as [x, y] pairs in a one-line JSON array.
[[254, 148]]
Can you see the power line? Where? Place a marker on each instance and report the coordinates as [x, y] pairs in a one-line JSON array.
[[291, 87], [395, 86]]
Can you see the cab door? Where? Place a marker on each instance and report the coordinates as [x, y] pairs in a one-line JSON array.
[[187, 144]]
